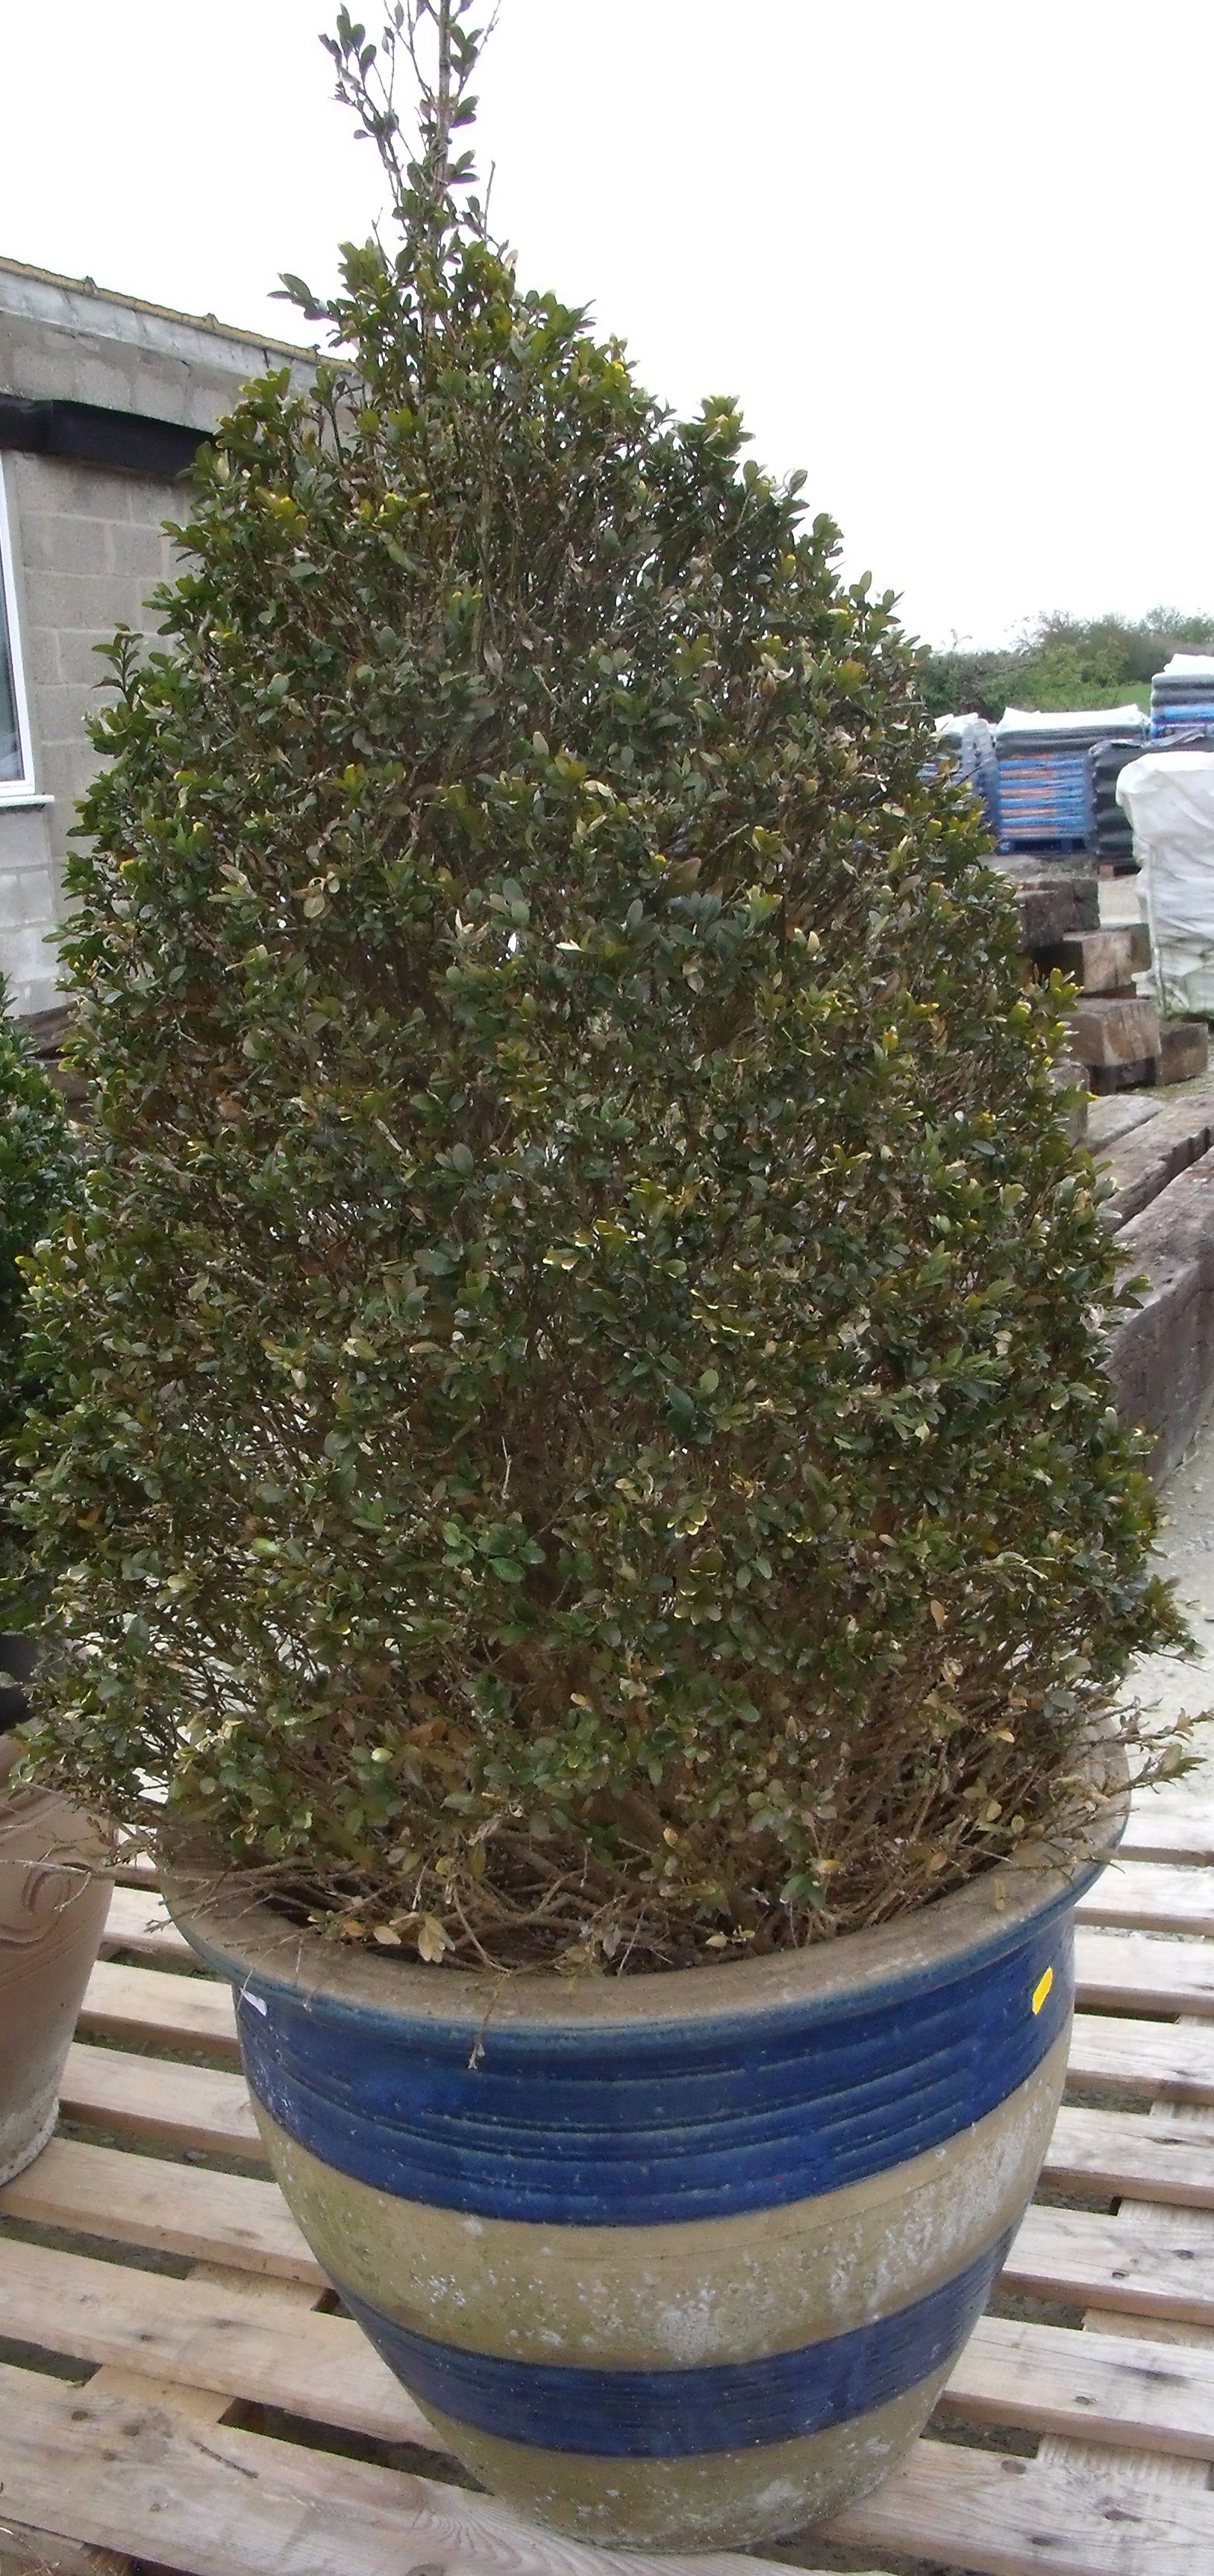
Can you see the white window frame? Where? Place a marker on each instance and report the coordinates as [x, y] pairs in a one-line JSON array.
[[23, 790]]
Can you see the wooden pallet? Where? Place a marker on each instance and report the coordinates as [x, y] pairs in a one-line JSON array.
[[116, 2438]]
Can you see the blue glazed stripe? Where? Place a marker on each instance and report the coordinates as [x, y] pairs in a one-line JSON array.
[[673, 2414], [638, 2125]]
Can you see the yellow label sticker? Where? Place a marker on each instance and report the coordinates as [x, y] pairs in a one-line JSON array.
[[1041, 1990]]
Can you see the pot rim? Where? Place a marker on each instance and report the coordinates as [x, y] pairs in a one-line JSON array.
[[229, 1922]]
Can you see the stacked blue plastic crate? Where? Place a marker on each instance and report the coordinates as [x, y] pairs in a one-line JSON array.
[[1045, 790], [1182, 694]]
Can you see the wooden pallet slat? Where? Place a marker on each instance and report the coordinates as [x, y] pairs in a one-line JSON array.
[[121, 2475], [1078, 2256], [1150, 2488], [998, 2515], [1146, 2057], [1167, 1824], [161, 2207], [239, 2340], [150, 2004], [1125, 2151], [1049, 2379], [1141, 1972], [46, 2556], [1150, 1896], [178, 2106]]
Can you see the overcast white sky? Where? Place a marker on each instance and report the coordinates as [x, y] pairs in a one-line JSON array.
[[951, 254]]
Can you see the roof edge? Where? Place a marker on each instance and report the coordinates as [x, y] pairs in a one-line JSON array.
[[114, 304]]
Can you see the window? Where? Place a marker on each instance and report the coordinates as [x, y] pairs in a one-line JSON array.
[[16, 766]]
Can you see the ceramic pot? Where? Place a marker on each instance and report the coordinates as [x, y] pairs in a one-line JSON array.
[[670, 2259], [53, 1905]]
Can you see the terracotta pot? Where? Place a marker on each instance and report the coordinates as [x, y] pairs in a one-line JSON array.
[[667, 2260], [53, 1906]]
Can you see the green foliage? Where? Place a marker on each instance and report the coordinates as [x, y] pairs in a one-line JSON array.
[[589, 1434], [1063, 662], [37, 1171]]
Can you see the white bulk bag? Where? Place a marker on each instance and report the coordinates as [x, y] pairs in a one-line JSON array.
[[1188, 666], [1088, 723], [1169, 798]]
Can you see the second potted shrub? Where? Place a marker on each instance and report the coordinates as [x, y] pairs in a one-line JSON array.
[[54, 1895]]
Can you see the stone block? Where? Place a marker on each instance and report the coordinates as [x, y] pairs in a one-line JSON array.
[[1105, 1078], [1053, 911], [1102, 961], [1184, 1050], [1114, 1032], [1122, 1078]]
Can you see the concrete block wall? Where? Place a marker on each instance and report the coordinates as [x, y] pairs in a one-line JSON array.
[[28, 912], [88, 548], [91, 550]]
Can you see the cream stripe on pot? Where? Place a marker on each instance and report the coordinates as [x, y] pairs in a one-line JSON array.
[[678, 2296]]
